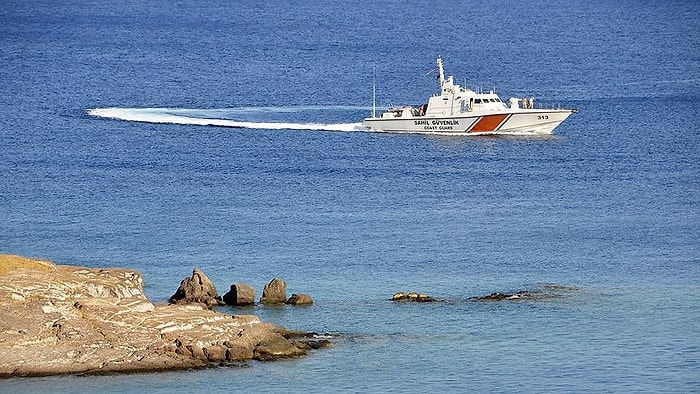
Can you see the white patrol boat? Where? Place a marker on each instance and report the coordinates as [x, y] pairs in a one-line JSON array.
[[458, 110]]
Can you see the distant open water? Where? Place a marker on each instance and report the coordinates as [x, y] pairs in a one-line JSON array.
[[608, 205]]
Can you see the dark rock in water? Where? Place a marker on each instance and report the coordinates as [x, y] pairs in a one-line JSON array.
[[521, 295], [412, 297], [314, 344], [197, 289], [503, 296], [295, 334], [299, 299], [240, 294], [307, 340], [274, 292]]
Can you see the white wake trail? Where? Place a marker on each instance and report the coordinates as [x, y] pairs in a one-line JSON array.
[[170, 115]]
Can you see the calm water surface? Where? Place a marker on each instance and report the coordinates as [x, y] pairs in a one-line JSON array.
[[608, 205]]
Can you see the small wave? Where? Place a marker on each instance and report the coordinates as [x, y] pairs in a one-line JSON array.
[[196, 117]]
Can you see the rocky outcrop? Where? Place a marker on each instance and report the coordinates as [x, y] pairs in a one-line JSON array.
[[197, 289], [274, 292], [412, 297], [58, 319], [240, 294], [299, 299]]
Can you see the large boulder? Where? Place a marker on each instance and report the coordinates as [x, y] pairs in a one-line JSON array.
[[299, 299], [274, 292], [240, 294], [197, 289]]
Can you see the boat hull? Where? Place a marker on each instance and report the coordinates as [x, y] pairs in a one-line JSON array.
[[511, 122]]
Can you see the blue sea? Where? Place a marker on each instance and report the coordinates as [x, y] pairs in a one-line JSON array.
[[244, 158]]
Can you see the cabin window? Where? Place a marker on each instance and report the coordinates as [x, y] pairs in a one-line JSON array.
[[477, 101]]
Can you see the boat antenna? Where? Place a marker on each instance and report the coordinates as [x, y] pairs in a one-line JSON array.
[[374, 91], [441, 72]]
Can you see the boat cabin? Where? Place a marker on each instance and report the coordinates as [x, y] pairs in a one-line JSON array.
[[453, 100]]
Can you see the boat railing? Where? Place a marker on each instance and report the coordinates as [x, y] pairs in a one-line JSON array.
[[556, 106]]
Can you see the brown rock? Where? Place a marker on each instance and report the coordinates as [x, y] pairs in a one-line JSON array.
[[197, 288], [215, 353], [412, 297], [66, 320], [240, 294], [299, 299], [237, 352], [401, 296], [197, 352], [274, 292]]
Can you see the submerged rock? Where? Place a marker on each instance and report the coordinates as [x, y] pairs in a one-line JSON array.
[[197, 289], [240, 294], [275, 292], [560, 288], [63, 320], [543, 293], [308, 340]]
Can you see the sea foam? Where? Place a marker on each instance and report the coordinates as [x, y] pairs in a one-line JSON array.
[[186, 116]]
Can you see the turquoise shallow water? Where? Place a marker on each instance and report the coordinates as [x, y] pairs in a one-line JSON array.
[[608, 205]]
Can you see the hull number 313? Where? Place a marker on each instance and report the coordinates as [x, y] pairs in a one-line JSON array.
[[542, 117]]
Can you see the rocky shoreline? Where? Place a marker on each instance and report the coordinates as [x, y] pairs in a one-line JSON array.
[[57, 319]]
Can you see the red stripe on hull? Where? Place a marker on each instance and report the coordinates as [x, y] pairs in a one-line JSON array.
[[488, 123]]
